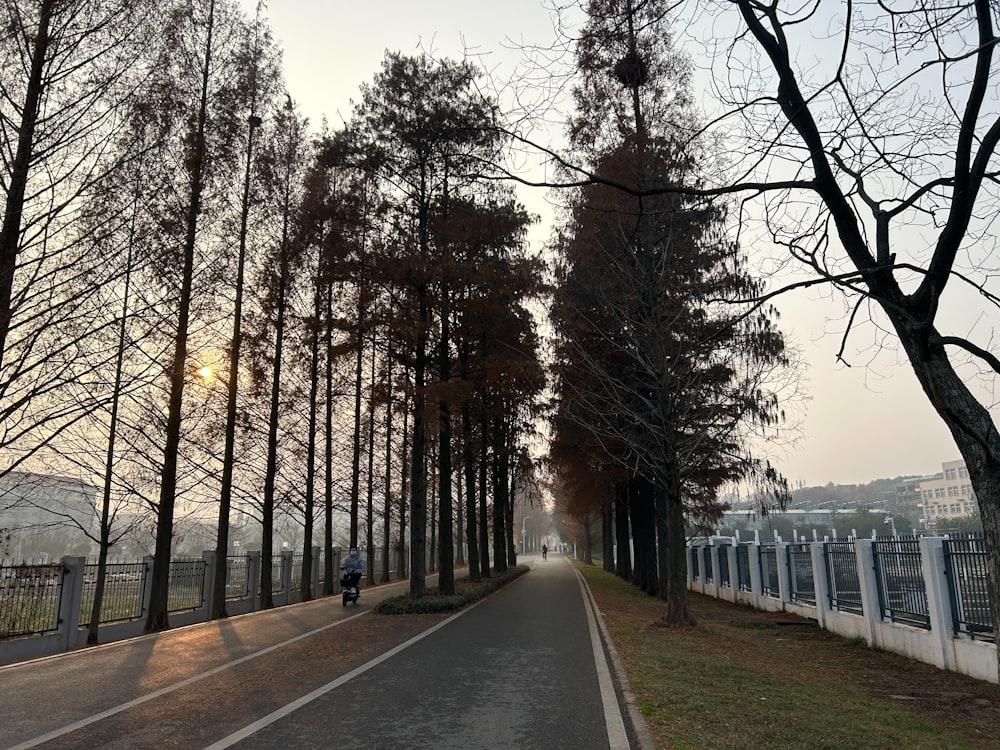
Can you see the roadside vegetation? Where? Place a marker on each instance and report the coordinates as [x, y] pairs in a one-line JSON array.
[[740, 678], [466, 592]]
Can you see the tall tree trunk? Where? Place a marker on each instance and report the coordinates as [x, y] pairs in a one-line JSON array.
[[156, 619], [10, 233], [608, 534], [499, 498], [484, 526], [446, 571], [622, 532], [370, 494], [387, 506], [510, 484], [356, 442], [418, 471], [404, 486], [271, 468], [229, 452], [678, 606], [468, 465], [663, 570], [307, 542], [642, 514], [109, 462], [328, 450]]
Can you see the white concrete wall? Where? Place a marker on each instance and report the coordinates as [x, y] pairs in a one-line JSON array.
[[939, 645]]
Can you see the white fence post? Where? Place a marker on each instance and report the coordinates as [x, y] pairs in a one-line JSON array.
[[821, 584], [870, 604], [716, 566], [208, 586], [253, 579], [68, 621], [784, 580], [734, 573], [932, 566], [753, 562], [287, 562]]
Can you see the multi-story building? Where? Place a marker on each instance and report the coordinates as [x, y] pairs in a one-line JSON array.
[[945, 495], [43, 514]]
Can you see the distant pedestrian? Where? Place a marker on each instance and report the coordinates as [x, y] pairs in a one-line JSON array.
[[545, 552]]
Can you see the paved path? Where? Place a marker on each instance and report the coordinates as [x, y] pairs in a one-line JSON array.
[[524, 668]]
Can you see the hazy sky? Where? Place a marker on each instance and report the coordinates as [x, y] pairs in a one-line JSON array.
[[862, 422]]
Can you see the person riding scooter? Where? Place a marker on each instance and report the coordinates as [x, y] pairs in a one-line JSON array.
[[353, 568]]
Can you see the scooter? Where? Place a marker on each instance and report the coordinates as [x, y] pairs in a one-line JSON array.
[[349, 583]]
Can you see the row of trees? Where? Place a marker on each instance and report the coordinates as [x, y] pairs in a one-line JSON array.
[[207, 308], [861, 142], [661, 379]]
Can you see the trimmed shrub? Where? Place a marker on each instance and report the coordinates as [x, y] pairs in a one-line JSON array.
[[466, 592]]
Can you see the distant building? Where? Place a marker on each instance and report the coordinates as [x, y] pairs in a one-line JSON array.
[[35, 506], [945, 495]]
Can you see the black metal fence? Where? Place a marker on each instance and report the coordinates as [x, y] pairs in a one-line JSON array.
[[769, 583], [706, 564], [743, 567], [186, 587], [842, 577], [901, 591], [237, 577], [724, 567], [968, 586], [124, 584], [30, 598], [800, 573]]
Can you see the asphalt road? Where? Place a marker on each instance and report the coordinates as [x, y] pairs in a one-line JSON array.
[[525, 668]]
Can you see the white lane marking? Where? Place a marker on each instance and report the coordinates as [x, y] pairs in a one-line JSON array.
[[170, 688], [285, 710], [617, 736]]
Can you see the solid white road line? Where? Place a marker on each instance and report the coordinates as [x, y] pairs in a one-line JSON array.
[[285, 710], [617, 736]]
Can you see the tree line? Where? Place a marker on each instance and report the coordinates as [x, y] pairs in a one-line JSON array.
[[209, 308], [359, 301]]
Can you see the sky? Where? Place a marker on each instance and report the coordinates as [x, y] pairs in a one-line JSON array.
[[861, 423]]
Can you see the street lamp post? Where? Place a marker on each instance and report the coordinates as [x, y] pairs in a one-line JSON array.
[[524, 533]]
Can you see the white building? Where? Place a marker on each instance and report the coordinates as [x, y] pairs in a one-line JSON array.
[[948, 494]]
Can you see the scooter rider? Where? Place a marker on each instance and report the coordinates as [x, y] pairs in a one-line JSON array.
[[353, 567]]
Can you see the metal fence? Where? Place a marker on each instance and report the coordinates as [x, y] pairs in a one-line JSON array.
[[706, 563], [124, 592], [724, 580], [800, 573], [968, 586], [842, 577], [743, 567], [186, 587], [769, 583], [296, 584], [237, 577], [277, 586], [898, 571], [31, 596]]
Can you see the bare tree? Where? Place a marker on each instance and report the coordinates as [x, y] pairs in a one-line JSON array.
[[66, 72], [864, 140]]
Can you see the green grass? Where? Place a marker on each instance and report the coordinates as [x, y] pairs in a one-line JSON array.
[[739, 679]]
